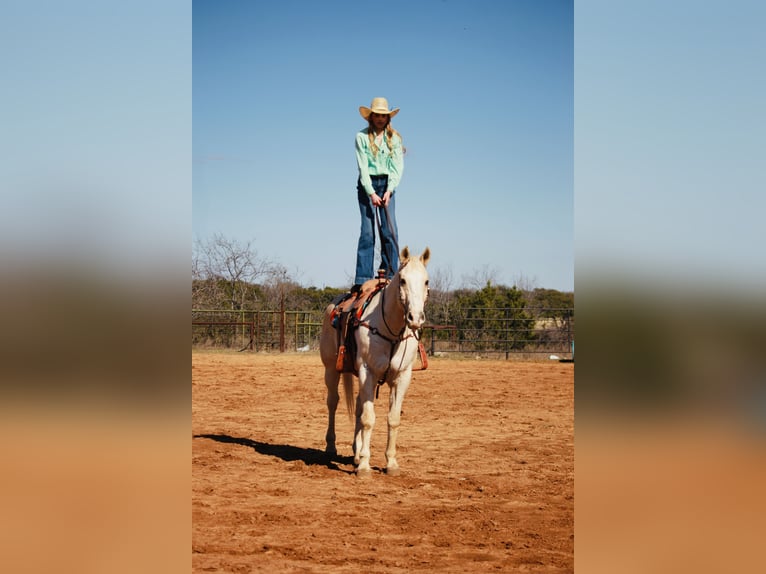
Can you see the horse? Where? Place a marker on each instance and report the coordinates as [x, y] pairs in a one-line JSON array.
[[387, 339]]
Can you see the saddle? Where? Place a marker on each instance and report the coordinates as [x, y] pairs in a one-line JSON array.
[[346, 317]]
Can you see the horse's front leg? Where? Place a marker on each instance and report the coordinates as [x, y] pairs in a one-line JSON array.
[[331, 378], [395, 400], [365, 421]]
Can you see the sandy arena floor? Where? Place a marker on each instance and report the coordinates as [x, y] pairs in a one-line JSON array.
[[486, 450]]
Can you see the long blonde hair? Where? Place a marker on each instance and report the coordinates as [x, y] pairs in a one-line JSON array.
[[389, 133]]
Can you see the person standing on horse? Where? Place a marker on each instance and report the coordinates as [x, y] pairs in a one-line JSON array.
[[380, 157]]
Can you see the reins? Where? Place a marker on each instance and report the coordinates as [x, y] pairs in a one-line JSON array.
[[376, 331], [383, 315], [394, 342], [390, 228]]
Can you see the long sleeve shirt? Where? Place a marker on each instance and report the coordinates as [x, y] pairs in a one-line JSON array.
[[387, 162]]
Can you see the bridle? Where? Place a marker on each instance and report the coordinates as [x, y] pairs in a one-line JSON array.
[[396, 337]]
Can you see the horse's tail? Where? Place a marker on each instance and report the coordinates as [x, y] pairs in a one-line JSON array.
[[348, 392]]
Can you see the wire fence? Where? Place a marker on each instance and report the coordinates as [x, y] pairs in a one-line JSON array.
[[478, 331], [504, 331], [256, 330]]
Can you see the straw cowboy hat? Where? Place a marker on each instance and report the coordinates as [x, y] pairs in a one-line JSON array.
[[378, 106]]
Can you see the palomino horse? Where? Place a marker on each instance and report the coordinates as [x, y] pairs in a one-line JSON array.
[[386, 348]]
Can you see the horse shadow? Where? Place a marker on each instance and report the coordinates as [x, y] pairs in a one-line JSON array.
[[287, 452]]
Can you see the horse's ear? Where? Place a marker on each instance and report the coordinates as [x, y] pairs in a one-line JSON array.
[[405, 255], [426, 256]]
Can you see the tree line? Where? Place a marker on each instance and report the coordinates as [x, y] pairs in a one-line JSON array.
[[230, 276]]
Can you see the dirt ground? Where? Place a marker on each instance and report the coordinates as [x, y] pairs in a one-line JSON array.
[[486, 450]]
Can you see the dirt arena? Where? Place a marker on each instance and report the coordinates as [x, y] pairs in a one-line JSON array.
[[486, 450]]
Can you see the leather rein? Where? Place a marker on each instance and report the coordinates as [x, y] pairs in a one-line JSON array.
[[394, 342], [375, 331]]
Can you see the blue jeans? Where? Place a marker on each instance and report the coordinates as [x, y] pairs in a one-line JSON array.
[[365, 250]]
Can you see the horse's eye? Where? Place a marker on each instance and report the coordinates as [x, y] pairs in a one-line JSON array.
[[426, 282], [402, 281]]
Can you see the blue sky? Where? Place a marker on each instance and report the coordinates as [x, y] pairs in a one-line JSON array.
[[486, 97], [96, 135], [99, 163], [669, 142]]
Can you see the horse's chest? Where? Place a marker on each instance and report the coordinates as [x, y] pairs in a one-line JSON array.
[[381, 356]]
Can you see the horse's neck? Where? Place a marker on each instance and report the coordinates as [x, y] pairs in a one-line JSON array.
[[391, 308]]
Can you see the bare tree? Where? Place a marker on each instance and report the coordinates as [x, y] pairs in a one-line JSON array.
[[524, 283], [278, 285], [226, 269], [441, 281], [481, 278], [527, 287]]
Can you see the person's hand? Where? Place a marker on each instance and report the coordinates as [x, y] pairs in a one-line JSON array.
[[376, 200], [386, 198]]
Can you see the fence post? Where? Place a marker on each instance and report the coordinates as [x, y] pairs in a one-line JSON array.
[[252, 329], [257, 329], [282, 321], [433, 342], [505, 335]]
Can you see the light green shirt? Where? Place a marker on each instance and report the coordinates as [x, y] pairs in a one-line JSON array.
[[388, 162]]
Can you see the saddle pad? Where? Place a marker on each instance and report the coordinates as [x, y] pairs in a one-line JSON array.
[[349, 307], [356, 302]]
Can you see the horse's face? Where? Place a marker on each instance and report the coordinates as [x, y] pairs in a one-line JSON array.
[[413, 287]]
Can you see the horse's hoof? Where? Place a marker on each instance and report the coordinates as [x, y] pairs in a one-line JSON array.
[[363, 473], [394, 471], [330, 453]]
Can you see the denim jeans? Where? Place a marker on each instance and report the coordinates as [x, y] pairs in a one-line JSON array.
[[365, 251]]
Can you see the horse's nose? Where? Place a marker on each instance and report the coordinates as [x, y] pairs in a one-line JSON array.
[[416, 320]]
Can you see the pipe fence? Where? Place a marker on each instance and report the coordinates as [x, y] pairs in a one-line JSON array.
[[480, 331], [256, 330]]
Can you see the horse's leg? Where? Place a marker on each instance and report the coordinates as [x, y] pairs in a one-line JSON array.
[[331, 378], [358, 427], [328, 350], [395, 400], [365, 421]]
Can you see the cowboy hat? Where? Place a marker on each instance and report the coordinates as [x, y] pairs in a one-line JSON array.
[[378, 106]]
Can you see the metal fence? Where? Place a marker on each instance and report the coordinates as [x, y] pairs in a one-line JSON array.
[[256, 330], [476, 330], [504, 331]]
